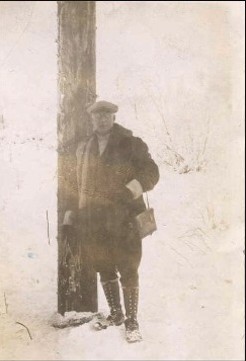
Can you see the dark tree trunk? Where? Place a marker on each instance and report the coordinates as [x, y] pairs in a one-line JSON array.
[[77, 286]]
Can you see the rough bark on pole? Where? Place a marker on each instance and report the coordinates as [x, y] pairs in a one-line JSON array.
[[77, 286]]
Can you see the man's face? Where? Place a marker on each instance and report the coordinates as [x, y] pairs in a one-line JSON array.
[[102, 122]]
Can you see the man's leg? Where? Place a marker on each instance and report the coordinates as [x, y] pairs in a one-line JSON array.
[[130, 259], [110, 284]]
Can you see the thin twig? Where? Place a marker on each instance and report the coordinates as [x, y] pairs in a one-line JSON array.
[[159, 109], [182, 256], [188, 245], [48, 226], [199, 233], [196, 246], [5, 301], [206, 138], [28, 331], [174, 151], [202, 151]]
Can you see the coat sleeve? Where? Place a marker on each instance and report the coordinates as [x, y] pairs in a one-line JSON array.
[[146, 170]]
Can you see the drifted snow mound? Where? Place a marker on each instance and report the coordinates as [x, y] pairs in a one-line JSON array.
[[71, 319]]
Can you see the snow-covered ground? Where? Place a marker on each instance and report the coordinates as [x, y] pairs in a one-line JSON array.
[[191, 276]]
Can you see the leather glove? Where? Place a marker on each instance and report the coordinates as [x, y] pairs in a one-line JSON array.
[[68, 226], [123, 196], [69, 218]]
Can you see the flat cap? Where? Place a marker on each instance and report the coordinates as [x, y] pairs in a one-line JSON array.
[[102, 106]]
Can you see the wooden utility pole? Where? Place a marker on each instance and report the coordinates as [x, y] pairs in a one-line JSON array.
[[77, 283]]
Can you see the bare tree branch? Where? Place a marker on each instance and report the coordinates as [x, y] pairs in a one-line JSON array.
[[48, 226], [5, 302], [204, 147], [160, 111], [182, 256], [174, 151], [28, 331]]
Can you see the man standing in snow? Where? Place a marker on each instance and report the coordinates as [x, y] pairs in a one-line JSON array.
[[114, 168]]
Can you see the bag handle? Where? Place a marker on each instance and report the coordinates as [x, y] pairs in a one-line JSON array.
[[147, 198]]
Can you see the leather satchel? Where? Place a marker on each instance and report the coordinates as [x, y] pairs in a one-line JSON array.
[[145, 221]]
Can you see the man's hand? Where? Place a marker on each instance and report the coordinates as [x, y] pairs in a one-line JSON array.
[[69, 218], [122, 196], [136, 188], [68, 226]]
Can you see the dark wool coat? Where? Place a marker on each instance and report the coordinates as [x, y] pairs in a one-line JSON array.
[[125, 158]]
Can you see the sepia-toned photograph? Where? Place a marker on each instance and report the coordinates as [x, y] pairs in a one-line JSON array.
[[122, 180]]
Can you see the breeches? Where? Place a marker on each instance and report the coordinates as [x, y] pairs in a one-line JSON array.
[[114, 250]]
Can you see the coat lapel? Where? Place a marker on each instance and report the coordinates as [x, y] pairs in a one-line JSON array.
[[113, 141]]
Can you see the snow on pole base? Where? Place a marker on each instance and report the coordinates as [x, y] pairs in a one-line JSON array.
[[101, 322], [71, 319]]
